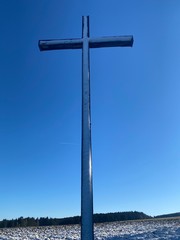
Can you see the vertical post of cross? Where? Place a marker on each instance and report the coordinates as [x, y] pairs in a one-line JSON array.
[[87, 232]]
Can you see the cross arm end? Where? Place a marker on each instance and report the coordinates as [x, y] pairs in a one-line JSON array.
[[118, 41], [45, 45]]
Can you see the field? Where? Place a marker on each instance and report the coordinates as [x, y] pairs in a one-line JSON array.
[[129, 230]]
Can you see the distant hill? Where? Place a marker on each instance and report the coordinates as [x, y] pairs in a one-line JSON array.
[[98, 218], [119, 216], [171, 215]]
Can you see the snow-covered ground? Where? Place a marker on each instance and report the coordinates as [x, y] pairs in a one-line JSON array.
[[131, 230]]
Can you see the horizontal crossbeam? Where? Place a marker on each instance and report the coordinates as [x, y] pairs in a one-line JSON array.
[[77, 43], [123, 41], [60, 44]]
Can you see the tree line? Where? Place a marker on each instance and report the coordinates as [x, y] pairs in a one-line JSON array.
[[98, 218], [171, 215]]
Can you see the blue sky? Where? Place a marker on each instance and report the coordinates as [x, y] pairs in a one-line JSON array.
[[135, 108]]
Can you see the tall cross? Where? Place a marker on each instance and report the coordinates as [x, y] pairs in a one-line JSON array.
[[84, 43]]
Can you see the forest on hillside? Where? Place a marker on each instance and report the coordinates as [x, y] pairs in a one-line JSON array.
[[98, 218], [170, 215]]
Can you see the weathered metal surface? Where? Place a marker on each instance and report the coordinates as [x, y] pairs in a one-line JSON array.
[[60, 44], [77, 43], [86, 158], [126, 41]]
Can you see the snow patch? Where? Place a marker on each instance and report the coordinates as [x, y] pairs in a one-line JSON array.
[[129, 230]]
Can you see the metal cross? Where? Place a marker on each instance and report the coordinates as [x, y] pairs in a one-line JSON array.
[[84, 43]]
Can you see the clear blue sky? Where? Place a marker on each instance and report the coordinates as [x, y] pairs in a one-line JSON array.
[[135, 108]]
